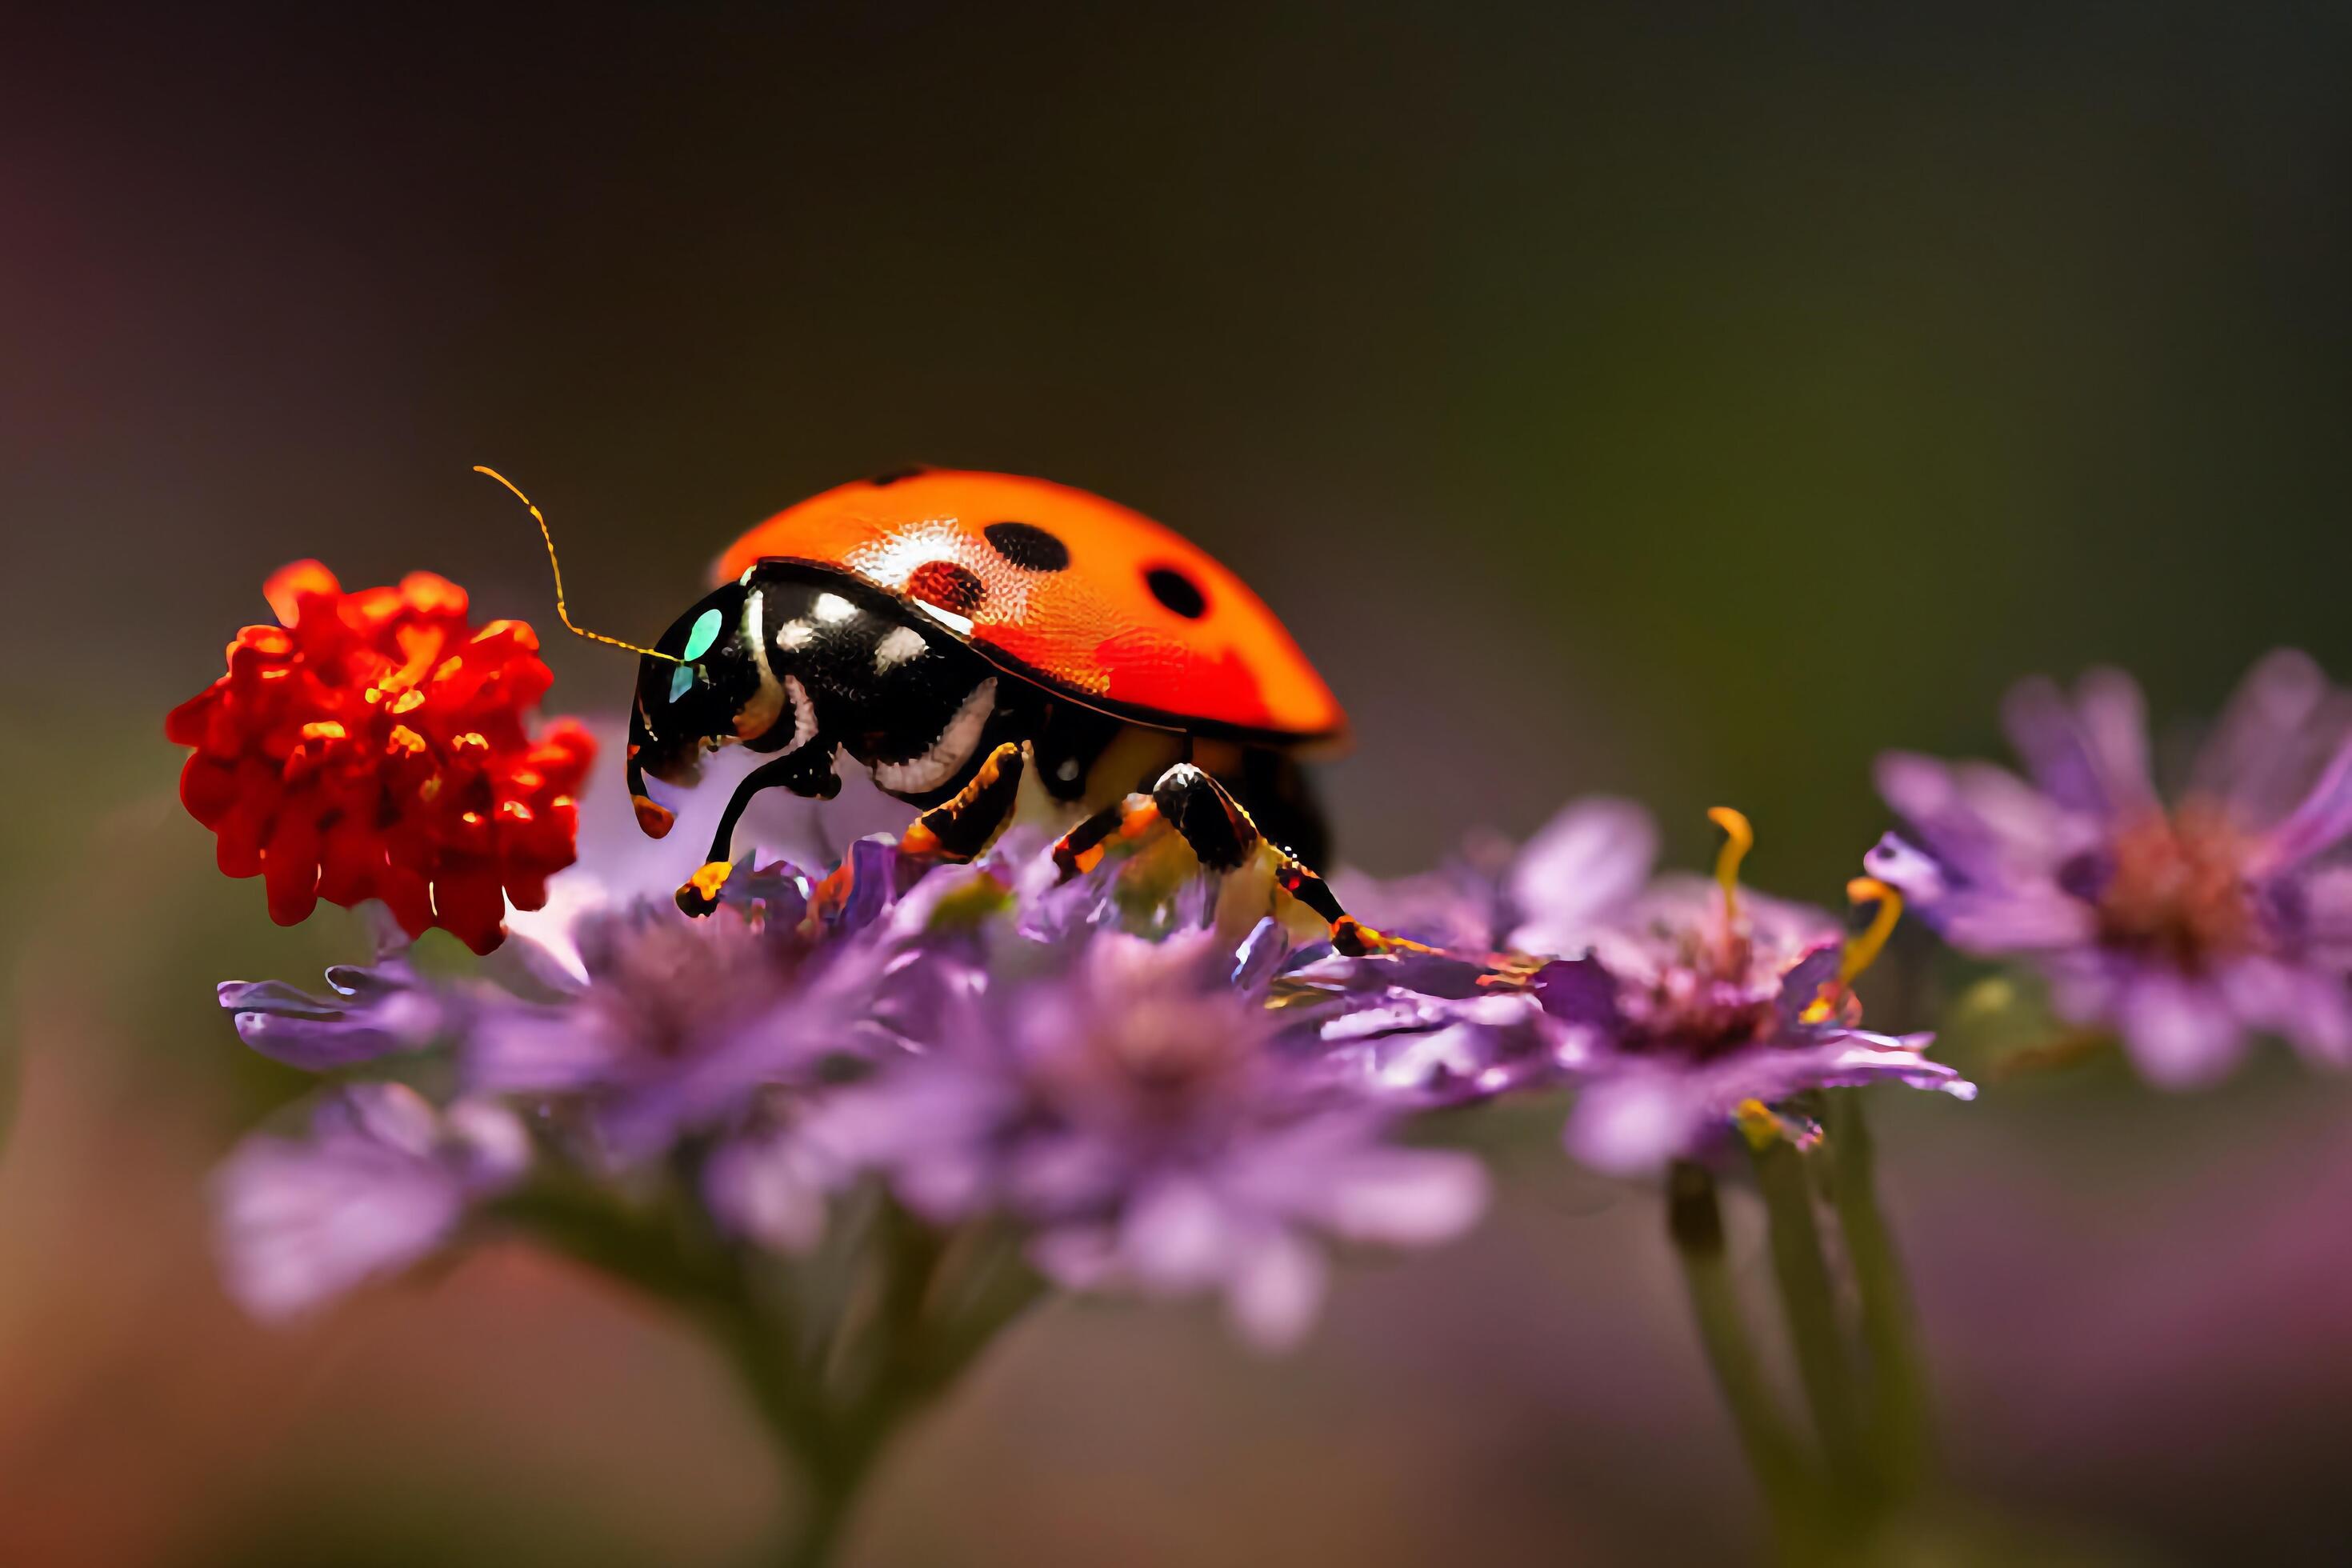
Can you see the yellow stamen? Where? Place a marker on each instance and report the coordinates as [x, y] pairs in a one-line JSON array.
[[1738, 839], [1757, 1124], [710, 878], [1861, 951]]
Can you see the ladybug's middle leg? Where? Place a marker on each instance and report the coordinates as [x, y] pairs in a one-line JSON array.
[[960, 826]]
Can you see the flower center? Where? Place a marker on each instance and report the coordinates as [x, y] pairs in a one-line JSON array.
[[2175, 886], [1698, 1009]]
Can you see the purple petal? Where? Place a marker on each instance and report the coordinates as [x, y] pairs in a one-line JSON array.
[[1276, 1291], [769, 1187], [372, 1013], [2310, 1008], [2276, 730], [380, 1182], [1580, 991], [1634, 1123], [2181, 1032], [2089, 756], [1591, 857], [1177, 1235], [2315, 825]]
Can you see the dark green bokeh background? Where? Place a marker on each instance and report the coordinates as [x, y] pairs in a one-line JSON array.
[[1686, 401]]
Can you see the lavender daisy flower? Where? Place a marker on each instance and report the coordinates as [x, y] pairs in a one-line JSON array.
[[380, 1182], [1697, 1003], [2186, 927], [1129, 1105]]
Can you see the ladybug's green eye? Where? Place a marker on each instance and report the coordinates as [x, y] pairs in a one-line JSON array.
[[705, 633], [681, 680]]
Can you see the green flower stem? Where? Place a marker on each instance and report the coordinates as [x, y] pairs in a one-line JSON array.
[[1791, 1491], [833, 1391], [1902, 1405], [1810, 1303]]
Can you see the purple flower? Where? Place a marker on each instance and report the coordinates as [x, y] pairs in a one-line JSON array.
[[1666, 1005], [2186, 927], [1129, 1062], [1129, 1102], [382, 1180], [1703, 1001]]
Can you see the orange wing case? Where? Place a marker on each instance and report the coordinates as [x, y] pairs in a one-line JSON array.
[[1095, 628]]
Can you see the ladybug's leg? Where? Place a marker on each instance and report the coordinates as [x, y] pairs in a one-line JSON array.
[[1221, 835], [963, 825], [799, 771]]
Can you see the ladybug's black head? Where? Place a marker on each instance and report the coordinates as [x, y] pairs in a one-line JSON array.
[[804, 662]]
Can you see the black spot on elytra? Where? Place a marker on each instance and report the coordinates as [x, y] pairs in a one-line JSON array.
[[895, 475], [947, 586], [1177, 591], [1028, 546]]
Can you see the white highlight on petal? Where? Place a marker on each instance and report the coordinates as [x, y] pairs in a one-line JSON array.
[[901, 646], [950, 751]]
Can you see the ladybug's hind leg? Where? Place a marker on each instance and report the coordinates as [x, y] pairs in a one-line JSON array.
[[1221, 835]]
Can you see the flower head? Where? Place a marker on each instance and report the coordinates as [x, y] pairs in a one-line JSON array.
[[2186, 926], [1700, 1003], [1667, 1004], [1129, 1103], [373, 746]]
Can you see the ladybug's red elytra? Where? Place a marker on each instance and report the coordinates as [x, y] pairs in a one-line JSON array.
[[994, 648]]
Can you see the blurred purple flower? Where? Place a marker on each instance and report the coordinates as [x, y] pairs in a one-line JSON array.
[[2185, 928], [381, 1181], [1130, 1105]]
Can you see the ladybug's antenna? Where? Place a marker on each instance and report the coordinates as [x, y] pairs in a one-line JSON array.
[[561, 613]]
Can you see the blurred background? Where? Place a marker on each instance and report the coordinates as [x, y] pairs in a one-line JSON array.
[[1681, 401]]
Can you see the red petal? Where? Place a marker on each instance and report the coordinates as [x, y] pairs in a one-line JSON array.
[[470, 906], [289, 869], [290, 584]]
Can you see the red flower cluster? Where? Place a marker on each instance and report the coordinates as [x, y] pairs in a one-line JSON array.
[[371, 746]]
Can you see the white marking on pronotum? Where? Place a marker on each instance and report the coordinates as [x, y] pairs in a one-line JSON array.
[[832, 608], [803, 714], [950, 751], [769, 700], [793, 634], [899, 645]]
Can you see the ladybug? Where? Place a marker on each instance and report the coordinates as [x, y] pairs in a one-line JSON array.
[[993, 648]]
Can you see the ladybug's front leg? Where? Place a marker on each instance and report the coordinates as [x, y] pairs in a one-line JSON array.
[[1222, 837], [805, 771]]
